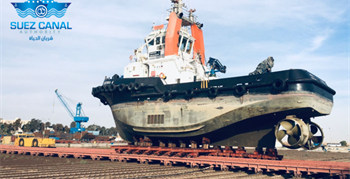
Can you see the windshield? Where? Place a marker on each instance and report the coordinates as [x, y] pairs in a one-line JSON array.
[[183, 44], [189, 46], [151, 43]]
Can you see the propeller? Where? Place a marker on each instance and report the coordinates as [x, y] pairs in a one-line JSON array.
[[289, 132], [315, 137], [288, 125]]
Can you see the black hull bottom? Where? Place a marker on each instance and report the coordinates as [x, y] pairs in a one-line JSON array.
[[253, 132], [260, 134]]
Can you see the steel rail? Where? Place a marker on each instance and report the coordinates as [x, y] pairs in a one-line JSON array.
[[296, 167]]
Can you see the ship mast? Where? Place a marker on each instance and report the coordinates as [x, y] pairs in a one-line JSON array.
[[177, 6], [187, 17]]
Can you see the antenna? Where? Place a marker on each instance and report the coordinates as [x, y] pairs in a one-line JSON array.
[[53, 104], [161, 20]]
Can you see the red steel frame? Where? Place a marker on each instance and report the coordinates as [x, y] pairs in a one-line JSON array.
[[195, 152], [290, 166]]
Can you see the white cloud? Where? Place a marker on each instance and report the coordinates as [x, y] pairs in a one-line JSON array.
[[318, 41]]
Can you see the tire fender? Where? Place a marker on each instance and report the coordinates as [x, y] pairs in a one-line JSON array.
[[138, 86], [167, 95], [121, 87], [96, 90], [189, 93], [131, 86], [240, 90], [213, 92], [114, 87], [105, 87], [110, 88], [278, 84], [100, 89]]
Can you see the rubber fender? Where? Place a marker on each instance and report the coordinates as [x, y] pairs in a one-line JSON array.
[[103, 101], [116, 76], [110, 88], [138, 86], [114, 87], [131, 86], [121, 87], [213, 92], [240, 90], [105, 87], [189, 93], [167, 95], [96, 90], [102, 88], [35, 143], [278, 84]]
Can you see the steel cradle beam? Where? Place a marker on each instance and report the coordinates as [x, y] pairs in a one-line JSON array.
[[290, 166]]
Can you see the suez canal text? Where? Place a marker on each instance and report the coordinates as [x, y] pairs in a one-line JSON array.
[[40, 25]]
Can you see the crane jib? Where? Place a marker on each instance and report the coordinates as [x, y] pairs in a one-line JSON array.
[[78, 118]]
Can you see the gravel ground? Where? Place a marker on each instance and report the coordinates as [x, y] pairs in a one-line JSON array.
[[318, 156], [313, 155]]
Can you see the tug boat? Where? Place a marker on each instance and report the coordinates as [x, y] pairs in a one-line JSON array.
[[169, 95]]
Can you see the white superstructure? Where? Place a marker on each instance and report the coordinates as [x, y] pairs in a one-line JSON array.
[[182, 62]]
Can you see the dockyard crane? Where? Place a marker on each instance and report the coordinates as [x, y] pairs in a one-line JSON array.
[[79, 116]]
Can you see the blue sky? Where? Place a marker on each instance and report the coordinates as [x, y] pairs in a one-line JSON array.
[[311, 35]]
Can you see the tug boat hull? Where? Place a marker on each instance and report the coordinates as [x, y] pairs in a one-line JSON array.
[[239, 111]]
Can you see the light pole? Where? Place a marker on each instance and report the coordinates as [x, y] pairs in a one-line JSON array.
[[330, 134], [44, 127], [48, 120]]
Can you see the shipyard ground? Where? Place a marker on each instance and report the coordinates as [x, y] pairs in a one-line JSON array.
[[19, 166], [27, 166]]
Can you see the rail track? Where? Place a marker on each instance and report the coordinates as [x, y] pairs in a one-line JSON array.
[[18, 166], [196, 167]]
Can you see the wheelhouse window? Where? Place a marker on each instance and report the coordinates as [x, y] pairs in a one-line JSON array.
[[189, 46], [155, 47], [151, 43], [158, 41], [183, 44]]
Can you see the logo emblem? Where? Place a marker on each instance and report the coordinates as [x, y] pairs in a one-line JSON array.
[[41, 11], [40, 8]]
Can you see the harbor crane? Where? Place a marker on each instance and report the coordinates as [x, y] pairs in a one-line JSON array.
[[79, 116]]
